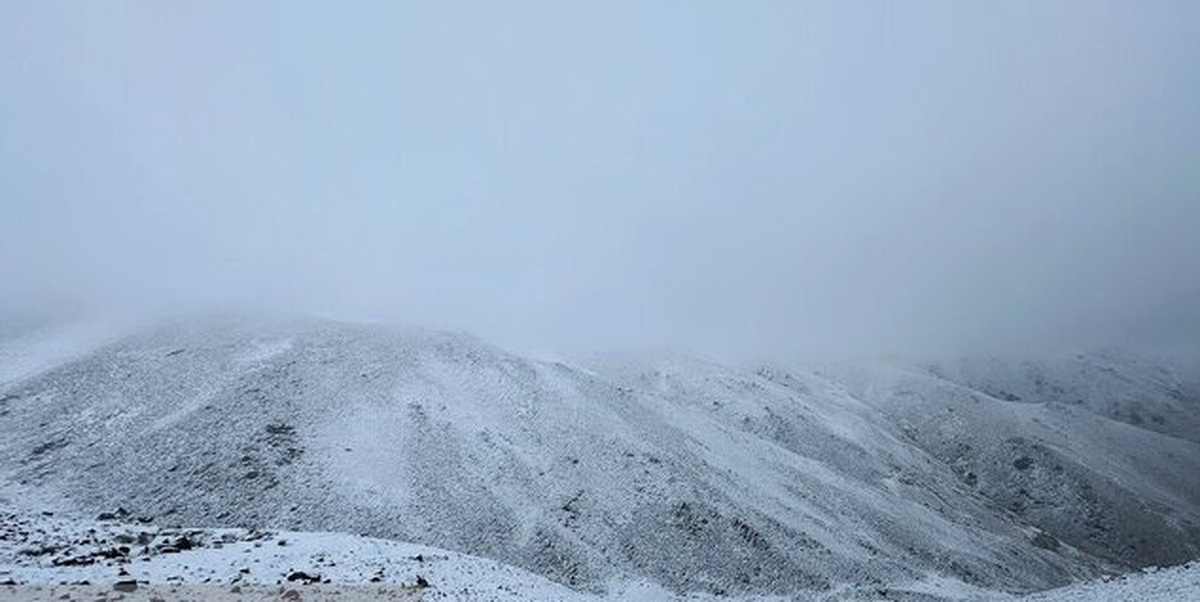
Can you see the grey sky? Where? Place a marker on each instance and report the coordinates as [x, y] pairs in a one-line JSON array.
[[731, 177]]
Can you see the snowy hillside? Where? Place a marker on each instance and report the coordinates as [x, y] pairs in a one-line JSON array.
[[1120, 491], [681, 474], [1157, 392], [1177, 584], [51, 548], [50, 555]]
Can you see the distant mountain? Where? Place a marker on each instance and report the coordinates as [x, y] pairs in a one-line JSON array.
[[1098, 450], [683, 473]]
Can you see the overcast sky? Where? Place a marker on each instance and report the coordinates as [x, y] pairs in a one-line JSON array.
[[759, 177]]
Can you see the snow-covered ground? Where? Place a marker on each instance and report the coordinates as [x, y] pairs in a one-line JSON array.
[[47, 555], [49, 547], [681, 476], [35, 350], [1175, 584]]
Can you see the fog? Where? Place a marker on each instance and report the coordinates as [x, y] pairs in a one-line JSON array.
[[732, 178]]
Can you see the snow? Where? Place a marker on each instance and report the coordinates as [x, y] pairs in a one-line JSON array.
[[635, 476], [1175, 584], [42, 556], [43, 548], [45, 348]]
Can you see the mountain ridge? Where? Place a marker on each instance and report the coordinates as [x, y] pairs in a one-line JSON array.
[[685, 473]]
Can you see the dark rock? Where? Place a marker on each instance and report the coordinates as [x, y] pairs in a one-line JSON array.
[[303, 577], [74, 561], [48, 447], [118, 514], [125, 585], [1045, 541]]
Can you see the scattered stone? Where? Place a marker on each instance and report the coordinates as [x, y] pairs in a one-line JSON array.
[[125, 585], [118, 514], [74, 561], [303, 577]]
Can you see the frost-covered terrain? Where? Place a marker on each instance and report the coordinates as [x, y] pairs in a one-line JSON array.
[[1057, 443], [634, 475], [47, 555], [125, 554], [1177, 584]]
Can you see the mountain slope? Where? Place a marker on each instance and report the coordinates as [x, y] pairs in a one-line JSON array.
[[1153, 391], [1124, 492], [694, 476], [49, 554]]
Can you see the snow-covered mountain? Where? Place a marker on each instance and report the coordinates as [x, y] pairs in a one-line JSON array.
[[656, 469], [1058, 443]]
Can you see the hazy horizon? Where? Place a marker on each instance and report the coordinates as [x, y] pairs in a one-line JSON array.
[[760, 178]]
